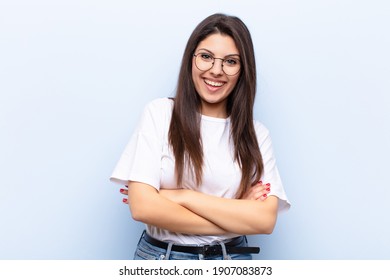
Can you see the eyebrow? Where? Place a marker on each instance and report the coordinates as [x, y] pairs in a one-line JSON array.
[[214, 54]]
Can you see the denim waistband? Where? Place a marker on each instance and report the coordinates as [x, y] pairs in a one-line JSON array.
[[220, 248]]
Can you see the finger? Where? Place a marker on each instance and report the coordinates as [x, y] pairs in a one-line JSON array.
[[255, 193], [123, 191], [260, 186], [263, 194], [263, 197], [260, 183], [257, 196], [260, 189]]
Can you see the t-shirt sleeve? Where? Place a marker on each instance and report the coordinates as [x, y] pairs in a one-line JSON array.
[[141, 159], [271, 173]]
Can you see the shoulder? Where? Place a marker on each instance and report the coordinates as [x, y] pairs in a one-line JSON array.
[[157, 113], [160, 105], [159, 109]]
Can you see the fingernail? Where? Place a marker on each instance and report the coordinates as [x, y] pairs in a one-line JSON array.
[[260, 182], [268, 189], [265, 195], [125, 200], [121, 190], [268, 184]]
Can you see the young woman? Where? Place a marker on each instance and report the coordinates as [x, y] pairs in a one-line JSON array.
[[200, 171]]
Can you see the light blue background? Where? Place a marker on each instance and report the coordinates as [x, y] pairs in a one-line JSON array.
[[75, 75]]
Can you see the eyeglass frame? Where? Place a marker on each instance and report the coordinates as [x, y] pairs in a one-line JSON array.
[[212, 64]]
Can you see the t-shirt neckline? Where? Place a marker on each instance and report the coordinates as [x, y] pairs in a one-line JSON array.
[[214, 119]]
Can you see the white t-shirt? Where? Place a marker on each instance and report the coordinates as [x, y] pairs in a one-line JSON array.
[[149, 159]]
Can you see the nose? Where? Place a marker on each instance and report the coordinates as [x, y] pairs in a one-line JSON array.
[[217, 68]]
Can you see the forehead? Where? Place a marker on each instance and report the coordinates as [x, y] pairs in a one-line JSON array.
[[219, 44]]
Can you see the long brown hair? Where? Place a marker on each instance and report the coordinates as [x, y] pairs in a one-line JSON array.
[[184, 130]]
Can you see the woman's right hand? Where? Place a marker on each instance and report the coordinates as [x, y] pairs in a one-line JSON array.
[[258, 191], [124, 192]]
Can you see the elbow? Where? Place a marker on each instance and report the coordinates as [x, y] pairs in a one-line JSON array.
[[141, 197], [268, 229], [137, 213], [136, 216], [267, 221], [266, 226]]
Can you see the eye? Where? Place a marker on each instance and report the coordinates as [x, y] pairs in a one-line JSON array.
[[231, 62], [206, 56]]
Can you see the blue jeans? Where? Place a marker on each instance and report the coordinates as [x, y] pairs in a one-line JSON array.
[[147, 251]]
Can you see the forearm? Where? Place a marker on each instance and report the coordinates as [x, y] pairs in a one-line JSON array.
[[149, 207], [234, 215]]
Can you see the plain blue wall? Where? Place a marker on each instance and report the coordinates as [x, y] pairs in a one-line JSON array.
[[75, 75]]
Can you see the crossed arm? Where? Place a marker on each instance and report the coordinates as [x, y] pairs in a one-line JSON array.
[[192, 212]]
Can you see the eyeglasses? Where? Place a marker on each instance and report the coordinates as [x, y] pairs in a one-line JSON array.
[[205, 61]]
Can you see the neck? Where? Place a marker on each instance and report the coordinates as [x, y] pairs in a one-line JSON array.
[[214, 110]]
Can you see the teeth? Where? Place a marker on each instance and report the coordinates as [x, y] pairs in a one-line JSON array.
[[214, 84]]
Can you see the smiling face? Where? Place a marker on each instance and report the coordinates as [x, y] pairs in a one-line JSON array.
[[213, 85]]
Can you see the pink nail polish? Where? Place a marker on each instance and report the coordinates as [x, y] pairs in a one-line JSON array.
[[268, 184], [264, 195], [267, 189], [260, 182], [121, 190], [125, 200]]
